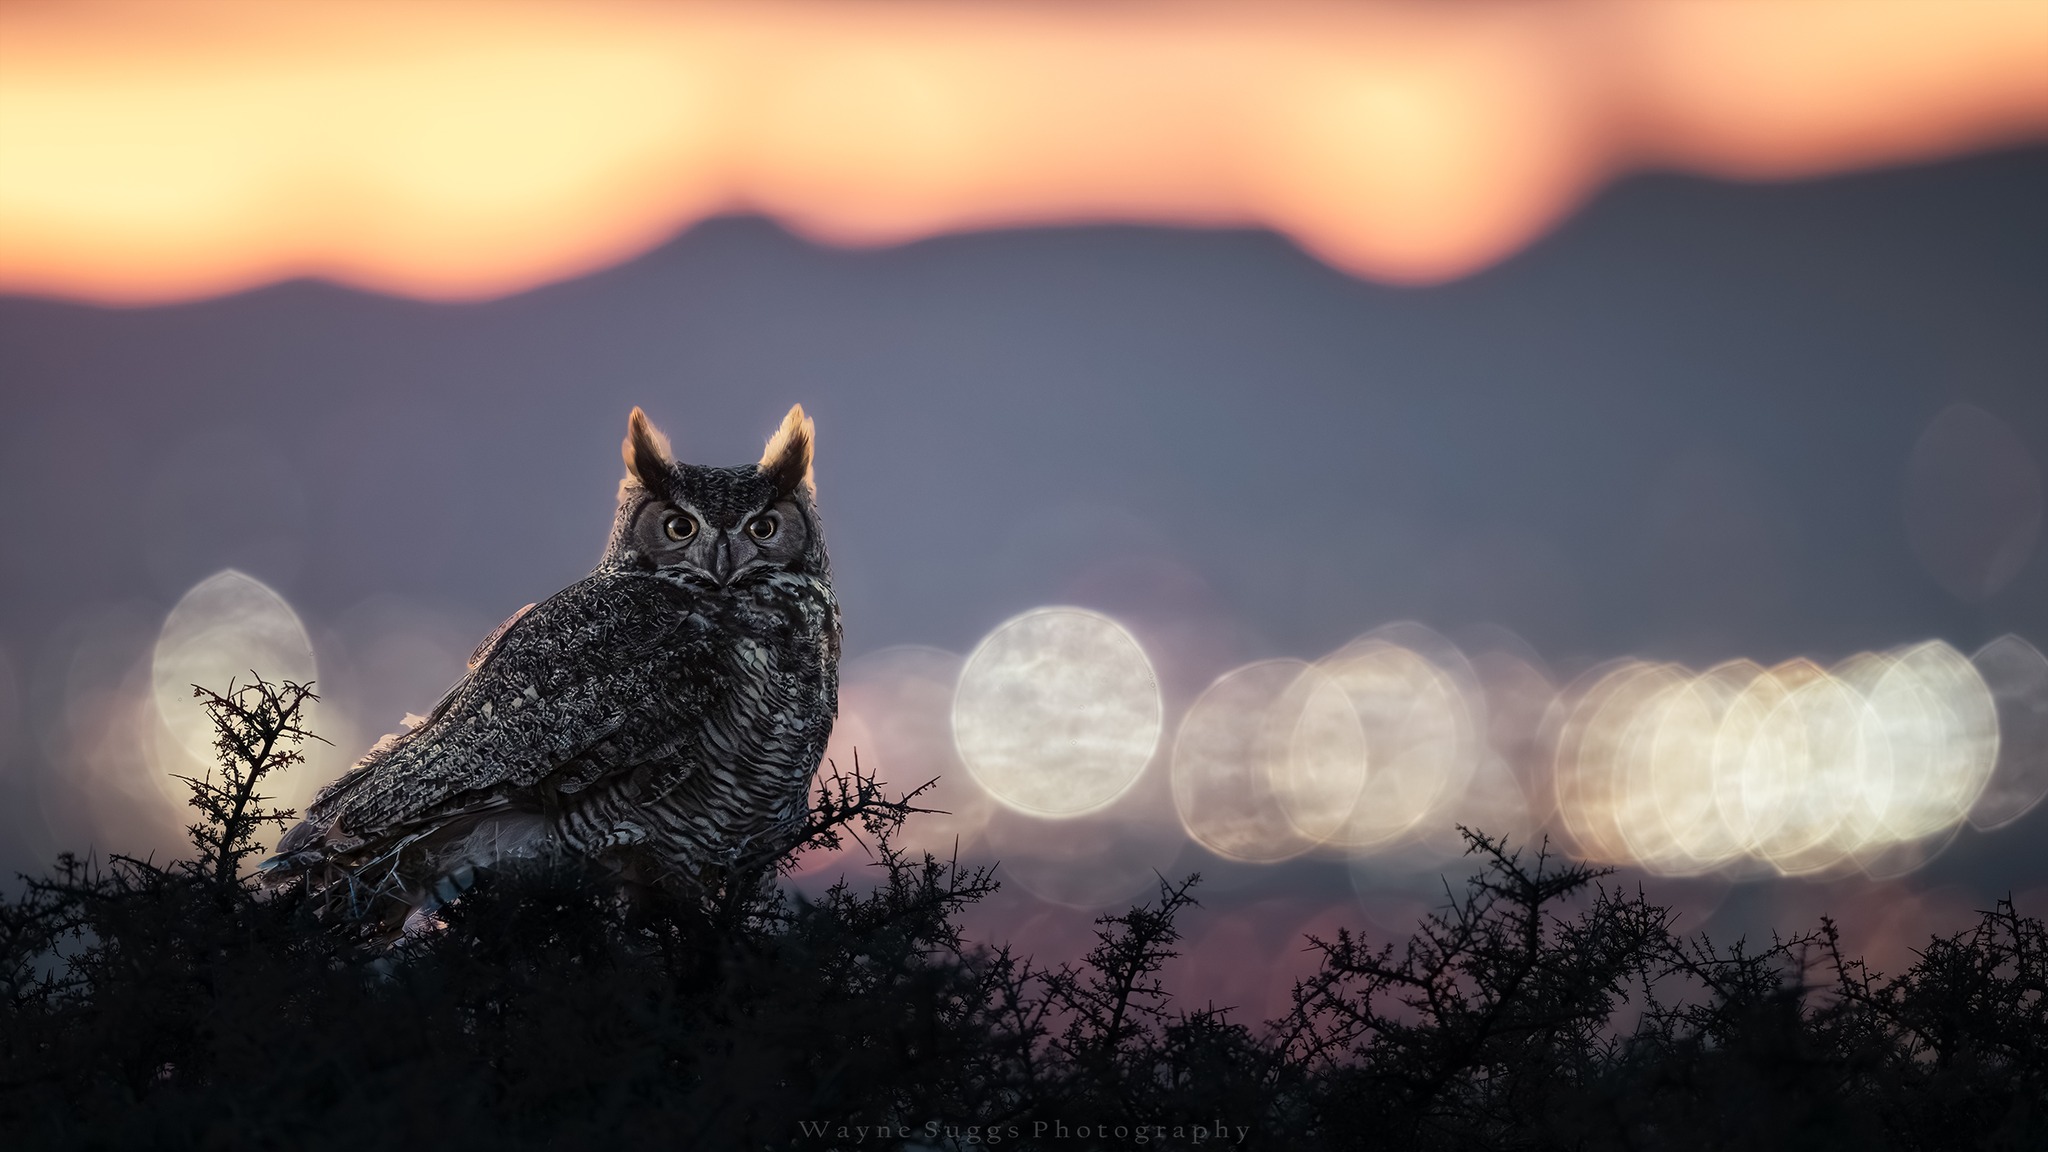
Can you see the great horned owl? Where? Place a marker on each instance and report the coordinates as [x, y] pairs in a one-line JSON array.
[[665, 713]]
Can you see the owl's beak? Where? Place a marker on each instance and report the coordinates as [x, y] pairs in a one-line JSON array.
[[721, 560]]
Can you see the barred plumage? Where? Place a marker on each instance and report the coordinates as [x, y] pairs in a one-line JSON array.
[[663, 715]]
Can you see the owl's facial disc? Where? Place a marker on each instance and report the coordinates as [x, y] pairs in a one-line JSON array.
[[674, 535]]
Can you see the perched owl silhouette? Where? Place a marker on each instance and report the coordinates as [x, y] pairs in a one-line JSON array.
[[664, 715]]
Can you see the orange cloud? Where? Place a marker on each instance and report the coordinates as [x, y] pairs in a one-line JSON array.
[[155, 150]]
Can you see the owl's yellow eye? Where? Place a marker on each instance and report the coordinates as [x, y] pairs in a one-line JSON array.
[[763, 527], [679, 526]]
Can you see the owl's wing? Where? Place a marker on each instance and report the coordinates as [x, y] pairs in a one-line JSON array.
[[549, 705], [483, 650]]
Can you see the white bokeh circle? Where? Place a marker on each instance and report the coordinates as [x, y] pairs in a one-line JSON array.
[[1057, 712], [229, 625]]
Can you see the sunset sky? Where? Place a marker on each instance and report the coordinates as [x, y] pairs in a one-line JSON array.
[[1571, 334]]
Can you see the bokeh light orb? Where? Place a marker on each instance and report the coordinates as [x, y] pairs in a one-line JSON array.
[[1643, 790], [1973, 502], [1318, 781], [2017, 675], [1057, 712], [1824, 753], [1681, 769], [1224, 758], [1598, 720], [1942, 724], [229, 625], [1419, 738], [1799, 769]]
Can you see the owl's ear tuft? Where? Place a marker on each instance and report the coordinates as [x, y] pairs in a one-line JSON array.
[[787, 459], [646, 452]]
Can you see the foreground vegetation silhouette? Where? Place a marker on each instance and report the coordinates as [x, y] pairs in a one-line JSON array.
[[178, 1005]]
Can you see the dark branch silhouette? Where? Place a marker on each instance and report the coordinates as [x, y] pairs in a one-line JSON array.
[[257, 730]]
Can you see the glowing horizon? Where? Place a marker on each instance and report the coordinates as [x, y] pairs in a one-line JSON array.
[[152, 152]]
